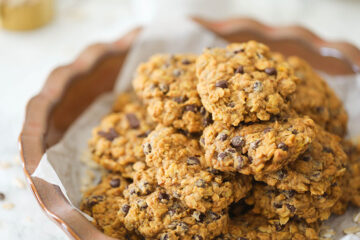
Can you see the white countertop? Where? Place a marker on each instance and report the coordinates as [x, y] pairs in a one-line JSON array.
[[26, 59]]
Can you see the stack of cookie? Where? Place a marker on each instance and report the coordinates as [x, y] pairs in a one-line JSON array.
[[237, 143]]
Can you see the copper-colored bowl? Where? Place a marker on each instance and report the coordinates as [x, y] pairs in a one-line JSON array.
[[70, 89]]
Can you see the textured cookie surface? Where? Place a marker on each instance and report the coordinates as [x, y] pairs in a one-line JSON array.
[[244, 82], [257, 148], [101, 203], [116, 142], [179, 161], [283, 205], [167, 83], [153, 213], [314, 98], [313, 171]]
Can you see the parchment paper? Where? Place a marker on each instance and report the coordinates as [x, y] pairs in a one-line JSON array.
[[68, 163]]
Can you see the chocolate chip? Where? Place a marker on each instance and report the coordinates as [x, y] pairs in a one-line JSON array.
[[258, 86], [191, 108], [144, 135], [222, 156], [208, 120], [277, 205], [240, 162], [197, 237], [327, 150], [268, 129], [306, 158], [147, 148], [144, 187], [110, 135], [279, 227], [200, 183], [183, 226], [222, 136], [282, 173], [291, 208], [294, 131], [255, 144], [163, 88], [289, 193], [221, 84], [199, 217], [237, 142], [93, 200], [180, 99], [238, 51], [125, 208], [203, 111], [193, 161], [142, 204], [132, 191], [2, 196], [163, 196], [133, 120], [230, 104], [114, 183], [315, 176], [231, 150], [165, 236], [213, 216], [185, 62], [240, 70], [283, 146], [270, 71], [320, 109], [177, 72], [213, 171]]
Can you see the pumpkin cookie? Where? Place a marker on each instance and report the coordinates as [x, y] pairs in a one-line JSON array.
[[100, 203], [313, 171], [314, 98], [150, 211], [179, 161], [257, 148], [244, 82], [167, 83], [280, 204], [116, 142]]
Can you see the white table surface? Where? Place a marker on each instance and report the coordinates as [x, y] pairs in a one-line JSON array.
[[26, 59]]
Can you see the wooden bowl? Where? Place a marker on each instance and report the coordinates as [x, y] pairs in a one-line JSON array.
[[70, 89]]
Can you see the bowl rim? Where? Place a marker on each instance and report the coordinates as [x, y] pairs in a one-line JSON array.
[[35, 124]]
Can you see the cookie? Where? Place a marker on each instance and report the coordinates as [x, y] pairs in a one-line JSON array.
[[256, 148], [179, 161], [151, 212], [313, 171], [283, 205], [116, 142], [314, 98], [244, 82], [167, 83], [101, 204], [255, 227]]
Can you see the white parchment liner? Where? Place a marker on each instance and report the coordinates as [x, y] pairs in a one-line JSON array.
[[63, 164]]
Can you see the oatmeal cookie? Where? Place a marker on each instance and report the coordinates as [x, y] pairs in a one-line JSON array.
[[100, 203], [151, 212], [244, 83], [257, 148], [313, 171], [314, 98], [116, 142], [167, 83], [179, 161], [283, 205], [251, 226]]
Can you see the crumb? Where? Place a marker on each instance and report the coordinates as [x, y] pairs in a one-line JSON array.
[[351, 230], [19, 183], [2, 196], [8, 206], [28, 219], [5, 165]]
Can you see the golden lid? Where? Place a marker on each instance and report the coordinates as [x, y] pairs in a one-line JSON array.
[[25, 14]]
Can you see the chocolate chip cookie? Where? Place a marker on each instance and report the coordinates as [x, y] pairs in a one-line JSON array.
[[244, 82], [283, 205], [315, 170], [179, 161], [150, 211], [100, 203], [116, 143], [167, 83], [253, 226], [314, 98], [256, 148]]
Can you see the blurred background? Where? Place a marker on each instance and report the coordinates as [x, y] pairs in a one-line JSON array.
[[38, 35]]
